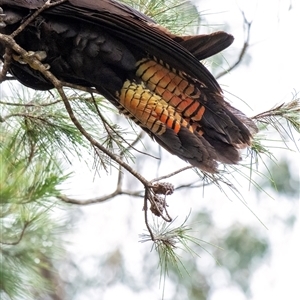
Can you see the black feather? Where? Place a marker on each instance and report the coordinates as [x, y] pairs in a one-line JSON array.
[[104, 44]]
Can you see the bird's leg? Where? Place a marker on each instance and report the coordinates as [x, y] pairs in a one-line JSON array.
[[40, 55]]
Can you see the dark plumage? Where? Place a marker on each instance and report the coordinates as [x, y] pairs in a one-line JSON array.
[[151, 75]]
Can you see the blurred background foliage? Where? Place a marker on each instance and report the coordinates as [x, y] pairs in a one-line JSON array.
[[38, 142]]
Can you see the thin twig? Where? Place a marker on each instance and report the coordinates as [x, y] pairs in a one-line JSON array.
[[171, 174], [25, 115], [146, 197], [96, 200], [243, 50], [20, 237], [30, 104], [107, 126]]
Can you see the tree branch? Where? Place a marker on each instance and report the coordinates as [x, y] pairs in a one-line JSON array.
[[243, 50], [152, 191], [149, 194], [96, 200], [47, 5]]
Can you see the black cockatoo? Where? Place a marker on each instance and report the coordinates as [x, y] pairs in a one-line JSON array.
[[154, 77]]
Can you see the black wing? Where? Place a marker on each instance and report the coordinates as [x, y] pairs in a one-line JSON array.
[[152, 76]]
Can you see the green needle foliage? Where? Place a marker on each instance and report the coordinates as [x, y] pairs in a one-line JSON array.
[[37, 141], [284, 118], [30, 233], [181, 17]]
